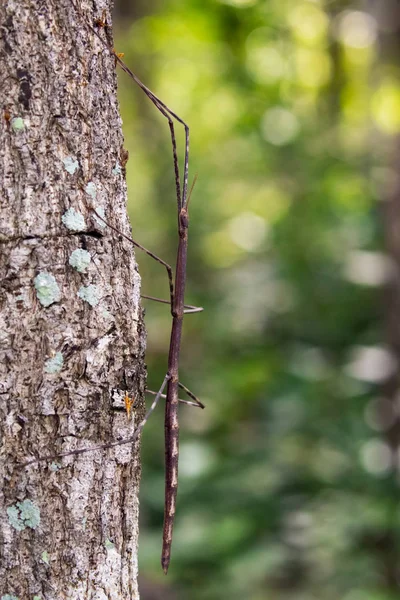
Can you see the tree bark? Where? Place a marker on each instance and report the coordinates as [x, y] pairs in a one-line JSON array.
[[383, 541], [71, 333]]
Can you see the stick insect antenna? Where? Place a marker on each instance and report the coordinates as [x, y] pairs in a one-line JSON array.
[[191, 190]]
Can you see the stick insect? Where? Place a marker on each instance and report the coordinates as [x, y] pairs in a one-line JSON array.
[[178, 309]]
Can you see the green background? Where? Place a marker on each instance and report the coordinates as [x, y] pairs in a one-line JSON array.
[[286, 486]]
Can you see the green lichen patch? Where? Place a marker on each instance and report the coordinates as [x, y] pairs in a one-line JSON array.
[[9, 597], [101, 212], [55, 364], [45, 557], [91, 190], [17, 123], [47, 290], [90, 294], [30, 513], [36, 598], [55, 467], [107, 315], [24, 514], [109, 545], [117, 170], [73, 220], [70, 164], [13, 518], [80, 260]]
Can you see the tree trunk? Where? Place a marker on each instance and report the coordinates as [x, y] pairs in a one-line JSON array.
[[71, 339], [385, 542]]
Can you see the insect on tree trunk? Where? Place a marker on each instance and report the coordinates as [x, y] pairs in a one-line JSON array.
[[72, 339]]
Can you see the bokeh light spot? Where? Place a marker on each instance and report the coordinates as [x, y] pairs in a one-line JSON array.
[[195, 459], [219, 250], [264, 60], [313, 69], [266, 64], [376, 457], [309, 363], [279, 126], [371, 363], [220, 111], [309, 22], [356, 29], [368, 268], [247, 230], [386, 107]]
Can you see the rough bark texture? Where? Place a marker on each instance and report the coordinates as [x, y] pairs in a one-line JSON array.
[[71, 336]]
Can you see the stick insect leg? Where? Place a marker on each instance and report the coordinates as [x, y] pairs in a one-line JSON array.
[[191, 395], [159, 104], [129, 440], [187, 307], [169, 115], [196, 404], [148, 252]]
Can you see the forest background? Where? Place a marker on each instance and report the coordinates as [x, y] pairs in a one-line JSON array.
[[288, 479]]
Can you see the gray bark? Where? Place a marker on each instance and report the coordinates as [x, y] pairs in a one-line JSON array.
[[71, 334]]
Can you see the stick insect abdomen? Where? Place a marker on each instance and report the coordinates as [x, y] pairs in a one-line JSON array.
[[171, 428]]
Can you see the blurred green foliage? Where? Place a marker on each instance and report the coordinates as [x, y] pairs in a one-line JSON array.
[[285, 482]]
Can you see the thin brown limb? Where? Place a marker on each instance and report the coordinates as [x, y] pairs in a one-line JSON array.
[[191, 395], [169, 115], [188, 307], [188, 402], [148, 252]]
